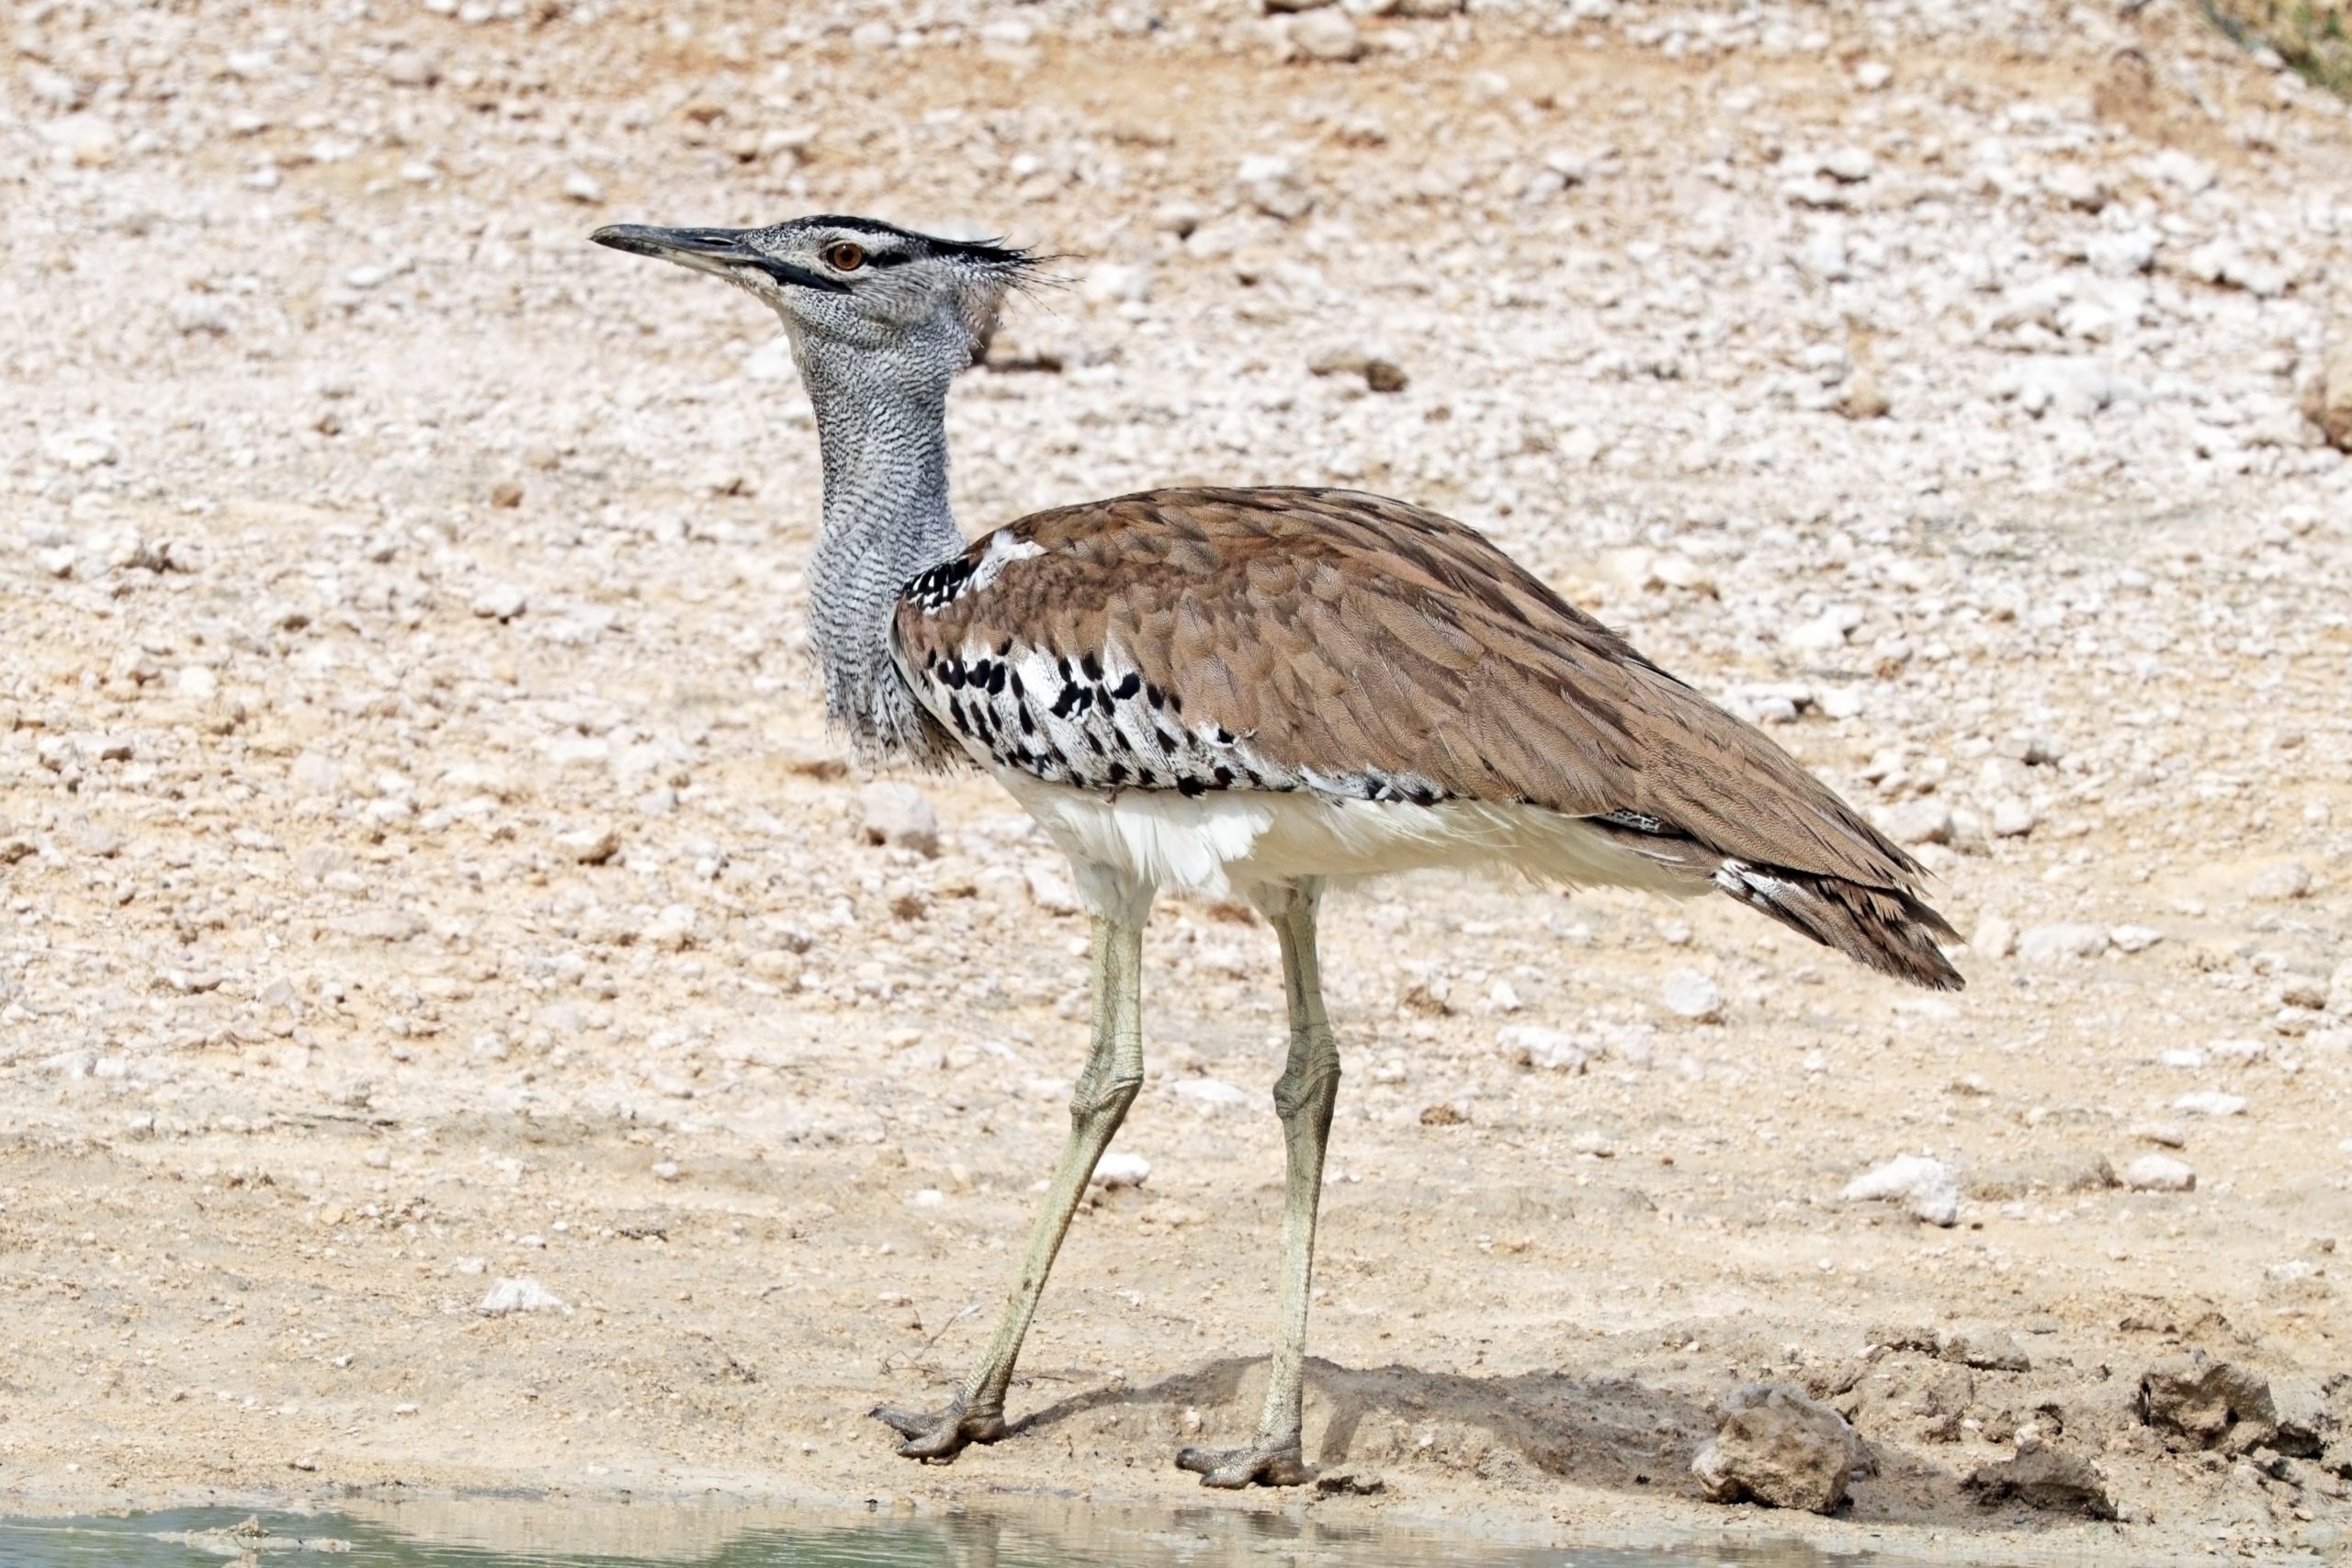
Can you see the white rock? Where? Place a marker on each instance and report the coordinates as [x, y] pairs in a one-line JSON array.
[[1118, 1169], [197, 683], [1327, 34], [2013, 818], [583, 188], [1873, 76], [2159, 1173], [2135, 938], [315, 773], [2065, 385], [671, 929], [2048, 945], [81, 449], [1690, 994], [1850, 164], [86, 139], [899, 815], [2278, 884], [1927, 821], [1547, 1048], [2211, 1102], [1825, 632], [1114, 283], [409, 68], [1823, 257], [498, 601], [1996, 937], [2186, 170], [588, 846], [525, 1295], [1051, 891], [2125, 255], [1211, 1092], [1924, 1187], [1273, 185], [666, 1171]]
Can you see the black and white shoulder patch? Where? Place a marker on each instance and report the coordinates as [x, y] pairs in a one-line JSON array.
[[934, 589]]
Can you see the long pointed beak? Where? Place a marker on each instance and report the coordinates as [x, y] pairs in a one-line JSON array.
[[719, 251]]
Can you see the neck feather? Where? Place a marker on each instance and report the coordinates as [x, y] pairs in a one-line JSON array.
[[882, 426]]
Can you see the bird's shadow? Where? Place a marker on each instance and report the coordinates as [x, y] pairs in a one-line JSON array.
[[1611, 1433]]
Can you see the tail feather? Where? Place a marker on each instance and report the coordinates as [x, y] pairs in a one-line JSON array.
[[1885, 929]]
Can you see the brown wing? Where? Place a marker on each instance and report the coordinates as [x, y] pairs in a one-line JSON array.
[[1354, 645]]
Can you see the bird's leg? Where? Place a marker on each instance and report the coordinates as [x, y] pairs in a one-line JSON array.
[[1304, 1096], [1114, 1074]]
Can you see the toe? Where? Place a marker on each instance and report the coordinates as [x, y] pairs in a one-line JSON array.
[[943, 1443], [906, 1423], [1231, 1469]]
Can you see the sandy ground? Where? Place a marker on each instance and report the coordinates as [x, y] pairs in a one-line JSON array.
[[424, 866]]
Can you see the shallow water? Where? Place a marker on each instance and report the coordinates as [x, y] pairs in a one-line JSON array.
[[539, 1534]]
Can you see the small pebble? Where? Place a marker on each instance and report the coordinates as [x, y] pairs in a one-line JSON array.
[[1118, 1169], [499, 602], [1923, 1185], [2278, 884], [521, 1294], [2159, 1173], [2051, 944], [589, 846], [1691, 995]]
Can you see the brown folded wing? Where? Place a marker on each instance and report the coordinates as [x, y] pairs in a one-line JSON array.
[[1346, 636]]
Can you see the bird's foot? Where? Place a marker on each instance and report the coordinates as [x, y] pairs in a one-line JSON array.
[[937, 1436], [1262, 1465]]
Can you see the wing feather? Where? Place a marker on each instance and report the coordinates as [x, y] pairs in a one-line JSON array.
[[1350, 637]]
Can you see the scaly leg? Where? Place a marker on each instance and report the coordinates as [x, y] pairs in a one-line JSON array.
[[1114, 1074], [1304, 1096]]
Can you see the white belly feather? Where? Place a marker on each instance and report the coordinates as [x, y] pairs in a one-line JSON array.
[[1127, 844]]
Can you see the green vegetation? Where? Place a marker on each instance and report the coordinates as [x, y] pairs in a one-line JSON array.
[[2314, 37]]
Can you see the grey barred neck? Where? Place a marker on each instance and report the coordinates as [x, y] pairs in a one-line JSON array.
[[882, 427]]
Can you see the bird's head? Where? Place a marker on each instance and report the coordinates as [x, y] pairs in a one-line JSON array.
[[853, 286]]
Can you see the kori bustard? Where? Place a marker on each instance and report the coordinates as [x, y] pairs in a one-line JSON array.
[[1248, 692]]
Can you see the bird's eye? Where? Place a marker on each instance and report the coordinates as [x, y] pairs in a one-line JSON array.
[[845, 257]]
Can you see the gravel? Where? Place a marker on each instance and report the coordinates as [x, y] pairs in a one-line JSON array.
[[1932, 389]]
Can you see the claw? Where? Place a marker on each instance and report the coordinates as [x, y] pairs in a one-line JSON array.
[[937, 1436], [1266, 1466]]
